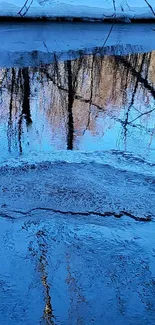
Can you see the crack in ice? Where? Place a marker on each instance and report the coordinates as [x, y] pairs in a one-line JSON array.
[[119, 215]]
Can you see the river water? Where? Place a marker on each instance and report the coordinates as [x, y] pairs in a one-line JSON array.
[[91, 103]]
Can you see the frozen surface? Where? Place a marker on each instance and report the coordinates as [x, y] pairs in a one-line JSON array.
[[76, 245], [21, 41]]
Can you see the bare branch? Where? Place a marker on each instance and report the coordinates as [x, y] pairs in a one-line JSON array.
[[150, 7], [23, 11]]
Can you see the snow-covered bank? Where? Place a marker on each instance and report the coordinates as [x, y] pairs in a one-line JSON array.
[[125, 10], [118, 160], [76, 188]]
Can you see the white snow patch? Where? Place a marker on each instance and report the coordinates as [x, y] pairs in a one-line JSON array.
[[83, 9]]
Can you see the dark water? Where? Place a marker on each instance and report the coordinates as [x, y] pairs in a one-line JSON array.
[[92, 103]]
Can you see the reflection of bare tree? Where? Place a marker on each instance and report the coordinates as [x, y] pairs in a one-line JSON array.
[[73, 94], [25, 8], [93, 71], [17, 102], [138, 74], [25, 103], [136, 83], [70, 105], [10, 130], [137, 67]]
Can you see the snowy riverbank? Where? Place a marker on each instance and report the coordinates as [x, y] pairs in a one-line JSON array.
[[84, 10]]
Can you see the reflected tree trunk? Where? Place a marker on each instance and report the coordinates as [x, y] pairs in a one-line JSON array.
[[70, 134], [10, 109], [26, 96], [26, 113]]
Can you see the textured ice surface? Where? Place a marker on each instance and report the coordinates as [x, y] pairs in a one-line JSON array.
[[66, 258]]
